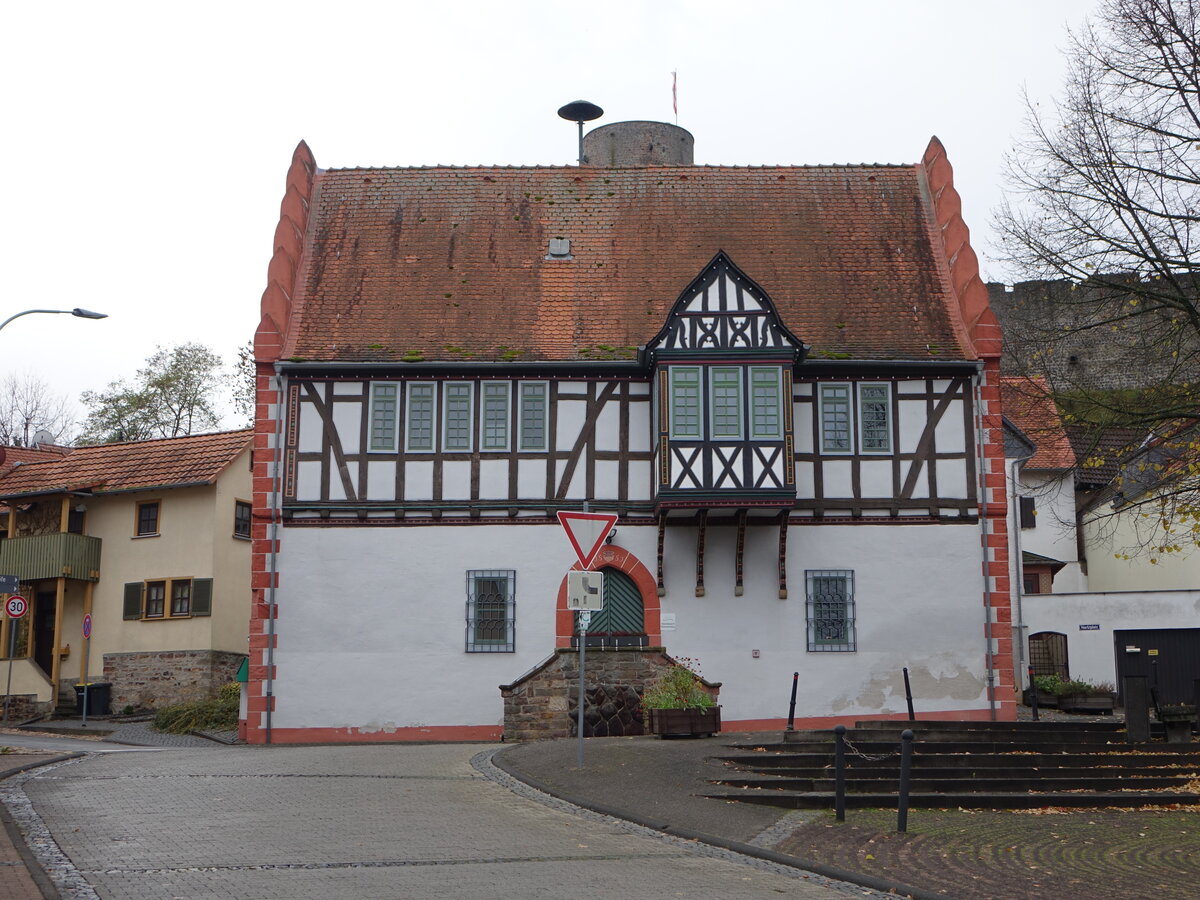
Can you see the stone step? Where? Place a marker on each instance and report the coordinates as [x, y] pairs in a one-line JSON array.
[[1131, 759], [877, 747], [1073, 799], [955, 787]]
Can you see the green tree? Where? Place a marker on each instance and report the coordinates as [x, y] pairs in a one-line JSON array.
[[174, 394]]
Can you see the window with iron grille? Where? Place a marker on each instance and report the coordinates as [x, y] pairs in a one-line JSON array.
[[875, 418], [495, 415], [533, 415], [384, 400], [835, 419], [419, 430], [830, 609], [457, 428], [491, 610]]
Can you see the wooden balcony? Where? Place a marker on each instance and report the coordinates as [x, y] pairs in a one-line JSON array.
[[60, 555]]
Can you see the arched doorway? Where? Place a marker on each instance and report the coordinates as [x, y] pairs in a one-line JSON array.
[[622, 622]]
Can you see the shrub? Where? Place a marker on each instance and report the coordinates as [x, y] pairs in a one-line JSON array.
[[219, 713], [679, 688]]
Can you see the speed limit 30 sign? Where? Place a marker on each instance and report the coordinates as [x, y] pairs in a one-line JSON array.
[[16, 607]]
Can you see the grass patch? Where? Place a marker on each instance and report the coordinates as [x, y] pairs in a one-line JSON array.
[[219, 713]]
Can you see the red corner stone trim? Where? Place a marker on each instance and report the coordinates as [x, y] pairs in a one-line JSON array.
[[963, 264], [623, 561]]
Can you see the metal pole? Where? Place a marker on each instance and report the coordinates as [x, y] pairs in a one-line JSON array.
[[1033, 695], [585, 619], [12, 646], [791, 726], [87, 647], [839, 772], [912, 716], [905, 776]]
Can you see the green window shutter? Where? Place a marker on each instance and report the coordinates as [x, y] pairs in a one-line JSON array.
[[202, 596], [133, 601]]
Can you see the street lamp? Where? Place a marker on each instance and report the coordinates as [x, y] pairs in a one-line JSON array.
[[81, 313]]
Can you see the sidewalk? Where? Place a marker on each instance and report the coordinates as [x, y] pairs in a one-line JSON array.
[[21, 878]]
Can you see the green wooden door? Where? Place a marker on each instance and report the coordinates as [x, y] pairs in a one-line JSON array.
[[622, 613]]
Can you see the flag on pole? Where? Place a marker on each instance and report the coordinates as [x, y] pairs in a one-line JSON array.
[[675, 94]]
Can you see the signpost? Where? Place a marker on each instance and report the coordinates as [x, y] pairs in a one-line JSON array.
[[585, 590], [15, 607], [87, 651]]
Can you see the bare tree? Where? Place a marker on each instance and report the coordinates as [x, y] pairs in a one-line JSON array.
[[1106, 197], [27, 406]]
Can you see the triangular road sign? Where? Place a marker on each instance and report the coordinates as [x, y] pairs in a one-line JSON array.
[[586, 531]]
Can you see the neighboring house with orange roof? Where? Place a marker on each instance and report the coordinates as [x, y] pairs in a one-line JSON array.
[[781, 379], [1084, 610], [152, 540]]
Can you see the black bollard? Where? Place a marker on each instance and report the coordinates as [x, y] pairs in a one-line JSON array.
[[839, 773], [1033, 695], [905, 776], [792, 706], [912, 716]]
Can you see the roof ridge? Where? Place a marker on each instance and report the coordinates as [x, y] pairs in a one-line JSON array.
[[455, 167]]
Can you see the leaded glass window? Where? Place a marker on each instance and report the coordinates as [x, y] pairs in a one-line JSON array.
[[835, 419], [830, 610], [457, 434], [384, 399], [875, 418], [726, 394], [495, 415], [491, 610], [766, 407], [419, 429], [533, 415], [685, 402]]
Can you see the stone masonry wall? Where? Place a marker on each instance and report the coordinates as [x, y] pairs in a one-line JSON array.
[[160, 678], [540, 704]]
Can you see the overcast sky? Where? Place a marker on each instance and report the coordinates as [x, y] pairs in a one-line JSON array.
[[145, 144]]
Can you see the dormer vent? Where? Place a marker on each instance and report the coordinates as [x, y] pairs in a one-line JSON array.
[[560, 248]]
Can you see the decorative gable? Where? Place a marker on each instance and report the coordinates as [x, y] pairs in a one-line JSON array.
[[723, 310]]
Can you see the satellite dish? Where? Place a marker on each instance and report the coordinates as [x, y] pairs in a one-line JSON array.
[[43, 437], [580, 111]]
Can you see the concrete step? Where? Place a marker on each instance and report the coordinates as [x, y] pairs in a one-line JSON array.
[[976, 762]]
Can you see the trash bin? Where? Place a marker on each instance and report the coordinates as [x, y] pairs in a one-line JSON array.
[[99, 698]]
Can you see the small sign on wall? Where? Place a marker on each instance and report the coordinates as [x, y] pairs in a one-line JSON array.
[[1089, 627], [667, 621]]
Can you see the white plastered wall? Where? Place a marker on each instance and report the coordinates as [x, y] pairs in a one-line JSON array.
[[372, 620], [1090, 651]]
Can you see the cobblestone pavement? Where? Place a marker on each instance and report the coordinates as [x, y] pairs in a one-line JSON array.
[[355, 821]]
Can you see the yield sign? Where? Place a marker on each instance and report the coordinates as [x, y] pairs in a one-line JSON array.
[[586, 531]]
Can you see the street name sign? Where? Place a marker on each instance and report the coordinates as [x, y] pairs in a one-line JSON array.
[[10, 584]]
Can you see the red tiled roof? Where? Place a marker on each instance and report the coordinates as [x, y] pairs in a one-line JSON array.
[[450, 263], [14, 456], [1028, 404], [105, 468]]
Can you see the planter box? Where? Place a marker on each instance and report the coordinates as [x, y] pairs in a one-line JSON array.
[[1045, 700], [685, 722], [1081, 704]]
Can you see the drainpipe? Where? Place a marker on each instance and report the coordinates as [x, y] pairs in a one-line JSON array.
[[276, 511], [1018, 565], [981, 474]]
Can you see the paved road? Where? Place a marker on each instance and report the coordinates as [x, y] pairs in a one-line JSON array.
[[352, 822]]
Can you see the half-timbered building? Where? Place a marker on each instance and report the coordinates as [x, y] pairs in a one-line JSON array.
[[781, 379]]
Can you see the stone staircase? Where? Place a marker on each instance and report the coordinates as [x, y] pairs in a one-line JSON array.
[[993, 765]]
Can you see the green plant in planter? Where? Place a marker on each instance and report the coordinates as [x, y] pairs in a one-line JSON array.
[[679, 688], [1075, 688], [1047, 684]]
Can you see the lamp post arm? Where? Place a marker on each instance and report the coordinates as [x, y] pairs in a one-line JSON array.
[[28, 311]]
